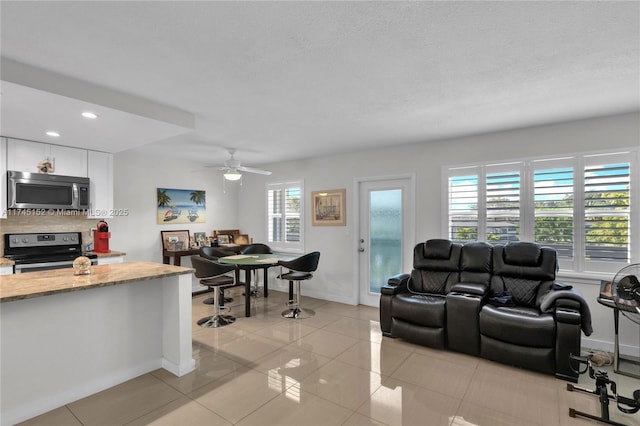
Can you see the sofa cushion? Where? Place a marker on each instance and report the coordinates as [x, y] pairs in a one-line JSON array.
[[544, 270], [537, 359], [515, 273], [476, 257], [430, 282], [522, 253], [435, 266], [418, 309], [437, 249], [437, 256], [518, 325], [476, 263], [524, 291]]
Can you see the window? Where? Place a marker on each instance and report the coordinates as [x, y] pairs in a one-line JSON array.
[[502, 194], [607, 215], [553, 203], [284, 216], [463, 207], [579, 205]]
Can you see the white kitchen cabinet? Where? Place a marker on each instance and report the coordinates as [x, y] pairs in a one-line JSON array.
[[24, 156], [69, 161], [100, 167], [3, 178]]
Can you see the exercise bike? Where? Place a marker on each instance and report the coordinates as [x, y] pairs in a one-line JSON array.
[[603, 383]]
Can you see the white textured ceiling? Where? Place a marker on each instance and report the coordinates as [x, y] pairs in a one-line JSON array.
[[284, 80]]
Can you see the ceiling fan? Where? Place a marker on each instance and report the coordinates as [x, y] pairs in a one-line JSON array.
[[232, 168]]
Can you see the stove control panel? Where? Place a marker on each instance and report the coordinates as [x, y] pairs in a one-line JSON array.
[[42, 239]]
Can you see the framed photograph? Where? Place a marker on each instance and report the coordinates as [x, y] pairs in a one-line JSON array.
[[175, 240], [200, 238], [231, 232], [241, 239], [328, 208], [605, 289], [224, 239]]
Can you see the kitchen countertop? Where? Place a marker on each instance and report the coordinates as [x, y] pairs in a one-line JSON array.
[[110, 254], [6, 262], [44, 283]]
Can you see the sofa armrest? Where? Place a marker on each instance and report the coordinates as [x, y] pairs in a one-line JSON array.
[[568, 300], [470, 288], [400, 279], [568, 304], [396, 284], [568, 315]]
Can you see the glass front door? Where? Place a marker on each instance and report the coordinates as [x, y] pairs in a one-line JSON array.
[[385, 234]]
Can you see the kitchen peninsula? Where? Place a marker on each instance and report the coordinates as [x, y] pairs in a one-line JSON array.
[[65, 337]]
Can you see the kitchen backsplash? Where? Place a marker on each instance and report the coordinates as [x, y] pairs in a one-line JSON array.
[[46, 223]]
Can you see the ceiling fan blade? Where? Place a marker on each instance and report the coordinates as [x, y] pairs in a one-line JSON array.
[[252, 170]]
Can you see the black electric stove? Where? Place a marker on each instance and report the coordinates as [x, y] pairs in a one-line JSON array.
[[46, 250]]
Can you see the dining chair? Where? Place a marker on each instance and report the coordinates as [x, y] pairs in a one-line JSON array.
[[213, 253], [299, 269], [213, 275], [257, 248]]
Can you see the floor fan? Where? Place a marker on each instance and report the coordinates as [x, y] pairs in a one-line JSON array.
[[625, 293]]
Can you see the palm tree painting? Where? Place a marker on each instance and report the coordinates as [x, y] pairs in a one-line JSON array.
[[198, 197], [163, 199], [181, 206]]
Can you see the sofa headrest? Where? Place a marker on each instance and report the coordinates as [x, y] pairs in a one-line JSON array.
[[476, 257], [522, 253], [437, 249]]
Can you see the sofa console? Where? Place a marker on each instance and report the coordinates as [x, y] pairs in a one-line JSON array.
[[500, 302]]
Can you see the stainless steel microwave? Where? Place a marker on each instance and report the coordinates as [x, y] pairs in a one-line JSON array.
[[44, 191]]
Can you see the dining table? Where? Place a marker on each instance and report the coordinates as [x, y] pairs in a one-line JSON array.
[[248, 263]]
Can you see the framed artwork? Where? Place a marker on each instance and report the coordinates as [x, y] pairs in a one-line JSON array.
[[175, 240], [180, 206], [328, 208], [224, 239]]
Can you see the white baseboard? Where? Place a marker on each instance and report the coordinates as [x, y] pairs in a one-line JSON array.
[[603, 345], [309, 292]]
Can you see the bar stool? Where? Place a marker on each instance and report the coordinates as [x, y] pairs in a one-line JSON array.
[[300, 269], [213, 253], [212, 275]]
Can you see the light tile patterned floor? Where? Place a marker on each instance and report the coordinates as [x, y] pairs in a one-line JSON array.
[[332, 369]]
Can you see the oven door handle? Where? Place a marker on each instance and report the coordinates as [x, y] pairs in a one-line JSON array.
[[25, 267]]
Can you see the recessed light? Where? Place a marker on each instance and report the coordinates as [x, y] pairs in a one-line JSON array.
[[89, 114], [53, 134]]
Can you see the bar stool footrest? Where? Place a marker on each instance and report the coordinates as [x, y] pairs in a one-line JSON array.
[[297, 313], [216, 321]]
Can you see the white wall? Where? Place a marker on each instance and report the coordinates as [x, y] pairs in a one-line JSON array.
[[335, 279], [136, 179]]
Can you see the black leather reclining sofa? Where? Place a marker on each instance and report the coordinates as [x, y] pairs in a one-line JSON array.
[[500, 302]]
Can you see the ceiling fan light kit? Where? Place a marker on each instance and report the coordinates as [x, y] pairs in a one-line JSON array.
[[233, 167], [232, 175]]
